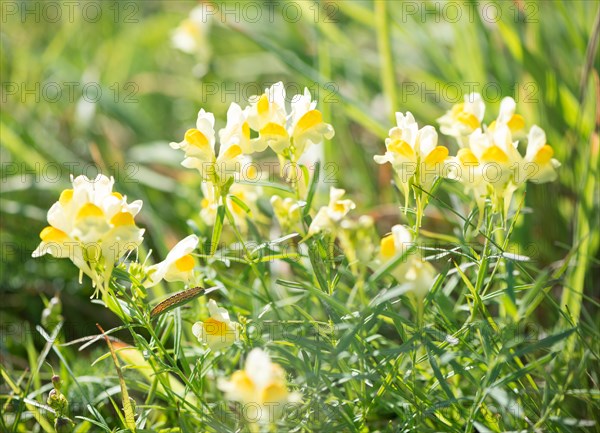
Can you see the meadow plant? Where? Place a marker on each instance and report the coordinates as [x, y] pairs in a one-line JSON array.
[[348, 279]]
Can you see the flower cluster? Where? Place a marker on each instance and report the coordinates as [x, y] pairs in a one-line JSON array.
[[328, 217], [289, 133], [488, 162], [93, 226], [415, 156]]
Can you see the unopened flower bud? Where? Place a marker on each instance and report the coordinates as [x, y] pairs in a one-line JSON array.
[[58, 402], [56, 382]]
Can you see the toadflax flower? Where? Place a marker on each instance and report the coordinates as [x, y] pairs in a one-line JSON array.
[[177, 266], [218, 331], [328, 217], [539, 166], [415, 157], [262, 384], [417, 274], [464, 118], [494, 162], [288, 134], [93, 226], [507, 116]]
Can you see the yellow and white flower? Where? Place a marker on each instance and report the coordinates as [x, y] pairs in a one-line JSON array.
[[499, 162], [328, 217], [306, 126], [237, 130], [466, 168], [177, 266], [539, 165], [93, 226], [415, 273], [464, 118], [199, 147], [260, 383], [218, 331], [414, 155]]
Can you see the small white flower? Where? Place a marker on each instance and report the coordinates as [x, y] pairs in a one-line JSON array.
[[539, 166], [463, 118], [328, 217], [261, 382], [218, 331], [199, 147], [191, 34], [177, 266], [418, 275]]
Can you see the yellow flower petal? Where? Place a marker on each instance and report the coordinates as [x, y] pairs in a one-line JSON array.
[[185, 263], [494, 154], [273, 129], [387, 247], [402, 148], [246, 130], [437, 155], [468, 119], [117, 195], [516, 123], [309, 120], [89, 210], [65, 197], [215, 327], [242, 384], [232, 152], [263, 104], [122, 219], [196, 138], [273, 393], [544, 155], [467, 157], [51, 234]]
